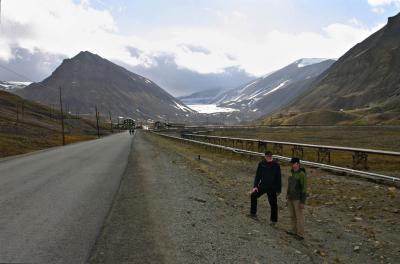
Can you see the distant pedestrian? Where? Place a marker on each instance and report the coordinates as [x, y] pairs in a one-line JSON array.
[[267, 180], [296, 197]]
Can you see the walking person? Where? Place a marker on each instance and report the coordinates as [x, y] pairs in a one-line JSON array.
[[296, 198], [267, 180]]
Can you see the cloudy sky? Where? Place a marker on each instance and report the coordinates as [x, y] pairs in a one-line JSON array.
[[203, 37]]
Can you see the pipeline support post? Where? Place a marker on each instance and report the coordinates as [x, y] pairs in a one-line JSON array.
[[298, 151], [324, 155], [277, 149], [262, 146], [360, 159]]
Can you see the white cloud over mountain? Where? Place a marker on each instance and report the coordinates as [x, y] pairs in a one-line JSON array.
[[378, 5], [65, 27]]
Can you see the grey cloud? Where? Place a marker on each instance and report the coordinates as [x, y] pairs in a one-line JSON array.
[[194, 48], [181, 81], [35, 66], [13, 30], [134, 52]]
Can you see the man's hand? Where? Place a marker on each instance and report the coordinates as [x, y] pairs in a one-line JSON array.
[[255, 189], [301, 206]]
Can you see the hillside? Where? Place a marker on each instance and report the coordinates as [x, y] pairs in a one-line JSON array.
[[37, 126], [362, 87], [273, 91]]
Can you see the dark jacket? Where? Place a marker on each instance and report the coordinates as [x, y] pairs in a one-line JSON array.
[[297, 186], [268, 176]]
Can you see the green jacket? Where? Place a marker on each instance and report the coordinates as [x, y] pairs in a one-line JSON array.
[[297, 185]]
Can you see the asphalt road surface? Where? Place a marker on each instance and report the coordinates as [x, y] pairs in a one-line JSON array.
[[53, 203]]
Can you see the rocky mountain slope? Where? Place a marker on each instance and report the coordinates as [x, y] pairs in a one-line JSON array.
[[87, 80], [363, 86]]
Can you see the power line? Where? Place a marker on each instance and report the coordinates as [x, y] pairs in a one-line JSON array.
[[23, 76], [16, 73]]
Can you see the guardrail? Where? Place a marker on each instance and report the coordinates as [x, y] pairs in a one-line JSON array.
[[363, 174], [323, 152], [282, 126]]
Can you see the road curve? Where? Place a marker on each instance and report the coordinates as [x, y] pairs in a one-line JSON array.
[[53, 203]]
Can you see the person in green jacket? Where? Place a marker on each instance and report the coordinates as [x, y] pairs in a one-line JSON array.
[[296, 197]]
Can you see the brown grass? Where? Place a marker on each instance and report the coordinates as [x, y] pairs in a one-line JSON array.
[[385, 138], [69, 139]]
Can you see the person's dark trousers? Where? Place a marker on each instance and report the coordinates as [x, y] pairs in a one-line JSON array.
[[273, 202]]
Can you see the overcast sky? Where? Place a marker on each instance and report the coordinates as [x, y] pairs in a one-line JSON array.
[[206, 36]]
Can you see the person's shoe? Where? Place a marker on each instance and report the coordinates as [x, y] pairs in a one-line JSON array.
[[298, 237], [273, 224], [253, 216], [291, 233]]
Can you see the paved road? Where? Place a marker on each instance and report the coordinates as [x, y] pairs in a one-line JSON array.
[[53, 203]]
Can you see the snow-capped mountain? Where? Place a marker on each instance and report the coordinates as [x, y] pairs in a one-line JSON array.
[[274, 90], [362, 87], [11, 86]]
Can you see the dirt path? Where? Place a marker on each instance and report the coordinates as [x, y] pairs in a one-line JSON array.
[[174, 208], [168, 211]]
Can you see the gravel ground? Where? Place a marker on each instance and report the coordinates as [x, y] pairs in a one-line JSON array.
[[175, 208], [167, 211]]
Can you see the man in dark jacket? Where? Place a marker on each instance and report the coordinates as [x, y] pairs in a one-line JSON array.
[[267, 180]]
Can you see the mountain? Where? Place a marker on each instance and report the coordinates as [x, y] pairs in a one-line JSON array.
[[203, 97], [88, 80], [363, 86], [181, 81], [160, 68], [10, 86], [272, 91]]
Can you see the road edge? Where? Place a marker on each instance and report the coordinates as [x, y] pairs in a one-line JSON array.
[[109, 211]]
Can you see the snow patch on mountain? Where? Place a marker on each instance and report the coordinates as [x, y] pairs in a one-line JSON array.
[[182, 107], [307, 62], [12, 85], [211, 108], [278, 87]]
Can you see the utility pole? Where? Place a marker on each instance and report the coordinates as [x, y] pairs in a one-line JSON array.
[[111, 124], [52, 111], [97, 122], [17, 109], [62, 119], [23, 109]]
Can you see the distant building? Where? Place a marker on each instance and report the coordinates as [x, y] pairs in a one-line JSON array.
[[128, 123], [159, 125]]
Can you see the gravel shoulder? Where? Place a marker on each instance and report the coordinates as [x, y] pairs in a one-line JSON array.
[[169, 210], [173, 207]]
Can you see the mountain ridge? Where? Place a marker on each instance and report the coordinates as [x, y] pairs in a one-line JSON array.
[[364, 83], [88, 80]]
